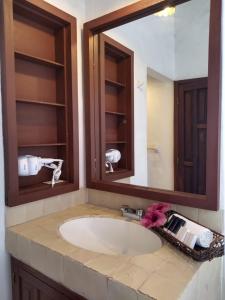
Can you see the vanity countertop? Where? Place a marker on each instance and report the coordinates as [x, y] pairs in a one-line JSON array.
[[162, 275]]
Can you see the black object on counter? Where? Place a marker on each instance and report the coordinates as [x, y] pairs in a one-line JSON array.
[[167, 225], [180, 224]]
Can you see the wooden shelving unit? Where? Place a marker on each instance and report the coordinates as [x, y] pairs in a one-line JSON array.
[[42, 145], [40, 109], [38, 60], [116, 101]]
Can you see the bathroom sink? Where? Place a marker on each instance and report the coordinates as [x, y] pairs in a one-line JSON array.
[[110, 236]]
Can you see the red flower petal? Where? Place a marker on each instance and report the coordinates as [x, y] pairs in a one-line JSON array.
[[162, 207], [153, 219]]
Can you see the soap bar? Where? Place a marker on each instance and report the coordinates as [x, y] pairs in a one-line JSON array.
[[190, 239], [182, 234]]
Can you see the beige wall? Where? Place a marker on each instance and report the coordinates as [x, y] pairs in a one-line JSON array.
[[160, 137], [211, 219]]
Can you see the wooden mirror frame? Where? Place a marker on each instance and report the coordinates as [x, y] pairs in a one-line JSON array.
[[117, 18]]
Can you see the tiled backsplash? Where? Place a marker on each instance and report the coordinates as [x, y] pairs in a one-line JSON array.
[[211, 219], [26, 212], [23, 213]]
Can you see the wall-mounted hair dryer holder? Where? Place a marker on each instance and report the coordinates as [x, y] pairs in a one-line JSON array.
[[29, 165]]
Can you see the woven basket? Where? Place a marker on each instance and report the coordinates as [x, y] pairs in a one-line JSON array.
[[216, 248]]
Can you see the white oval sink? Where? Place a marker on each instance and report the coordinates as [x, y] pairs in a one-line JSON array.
[[110, 236]]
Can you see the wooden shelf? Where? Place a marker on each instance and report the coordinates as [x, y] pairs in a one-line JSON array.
[[115, 113], [43, 145], [117, 171], [116, 142], [119, 174], [115, 83], [40, 102], [40, 187], [39, 60]]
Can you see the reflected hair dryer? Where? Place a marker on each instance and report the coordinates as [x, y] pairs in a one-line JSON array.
[[112, 156], [29, 165]]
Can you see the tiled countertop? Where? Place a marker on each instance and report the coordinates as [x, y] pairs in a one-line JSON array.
[[162, 275]]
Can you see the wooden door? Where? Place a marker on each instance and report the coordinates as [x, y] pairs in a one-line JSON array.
[[190, 135], [29, 284]]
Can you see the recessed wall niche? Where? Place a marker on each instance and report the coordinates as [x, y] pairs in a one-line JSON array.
[[39, 96]]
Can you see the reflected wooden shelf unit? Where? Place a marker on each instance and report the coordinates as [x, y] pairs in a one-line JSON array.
[[116, 101], [114, 83], [115, 142], [40, 109], [115, 113], [40, 102]]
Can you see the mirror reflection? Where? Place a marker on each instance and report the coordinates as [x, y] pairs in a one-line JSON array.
[[170, 51]]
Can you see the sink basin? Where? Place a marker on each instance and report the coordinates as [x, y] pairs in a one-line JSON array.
[[110, 236]]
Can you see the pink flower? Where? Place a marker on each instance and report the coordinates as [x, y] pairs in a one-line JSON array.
[[162, 207], [153, 219]]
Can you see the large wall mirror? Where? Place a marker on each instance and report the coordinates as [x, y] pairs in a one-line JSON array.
[[153, 101]]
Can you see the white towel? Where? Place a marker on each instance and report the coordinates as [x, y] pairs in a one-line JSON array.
[[205, 235]]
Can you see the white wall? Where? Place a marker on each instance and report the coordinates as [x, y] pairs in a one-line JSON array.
[[175, 46], [4, 259], [97, 8], [160, 133], [156, 47], [191, 38]]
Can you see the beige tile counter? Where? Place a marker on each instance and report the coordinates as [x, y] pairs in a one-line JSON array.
[[163, 275]]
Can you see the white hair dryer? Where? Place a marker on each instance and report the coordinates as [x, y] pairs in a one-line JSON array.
[[29, 165], [112, 156]]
